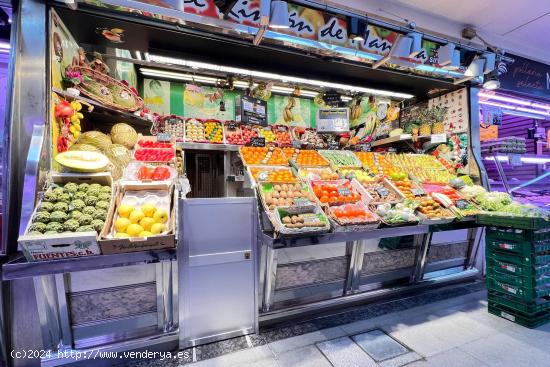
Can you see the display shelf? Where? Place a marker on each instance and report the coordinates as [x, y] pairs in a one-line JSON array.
[[21, 268], [405, 138], [108, 113], [206, 146]]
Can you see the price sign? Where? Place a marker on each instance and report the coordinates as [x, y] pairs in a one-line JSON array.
[[281, 129], [257, 142], [365, 147], [262, 176], [301, 202], [164, 137], [333, 145], [438, 138], [461, 204], [382, 191], [332, 120], [232, 125], [418, 192], [344, 191], [296, 144]]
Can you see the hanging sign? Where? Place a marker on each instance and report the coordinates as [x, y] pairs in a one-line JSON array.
[[525, 76], [250, 110], [333, 120]]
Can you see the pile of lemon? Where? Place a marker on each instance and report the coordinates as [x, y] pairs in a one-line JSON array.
[[213, 131], [146, 221]]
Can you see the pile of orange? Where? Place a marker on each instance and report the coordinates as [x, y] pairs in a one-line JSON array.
[[310, 158], [272, 175], [263, 156], [367, 158], [405, 188], [336, 193], [291, 153]]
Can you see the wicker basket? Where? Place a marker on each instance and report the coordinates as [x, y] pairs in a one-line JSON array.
[[108, 82]]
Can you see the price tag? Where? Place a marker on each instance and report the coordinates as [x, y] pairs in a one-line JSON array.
[[257, 142], [301, 202], [382, 191], [164, 137], [232, 125], [344, 191], [333, 145], [262, 176], [311, 219], [438, 138], [418, 192], [365, 147], [461, 204], [281, 129], [296, 144], [515, 160]]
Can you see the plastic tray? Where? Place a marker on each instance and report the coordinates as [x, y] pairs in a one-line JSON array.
[[523, 293], [541, 281], [266, 187], [529, 321], [515, 234], [281, 229], [355, 161], [522, 248], [512, 222], [388, 185], [530, 308], [510, 264]]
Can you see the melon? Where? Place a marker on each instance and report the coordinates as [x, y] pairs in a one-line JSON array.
[[95, 138], [84, 147], [118, 155], [82, 161], [124, 134]]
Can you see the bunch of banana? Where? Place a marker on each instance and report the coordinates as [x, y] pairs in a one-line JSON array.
[[75, 119], [288, 116], [356, 110], [319, 101]]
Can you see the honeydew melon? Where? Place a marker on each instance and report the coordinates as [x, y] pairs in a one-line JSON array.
[[81, 161]]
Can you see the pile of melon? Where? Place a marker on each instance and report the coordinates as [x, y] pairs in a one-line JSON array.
[[94, 151]]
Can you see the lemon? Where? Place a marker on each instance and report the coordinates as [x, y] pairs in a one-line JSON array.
[[121, 235], [160, 216], [136, 216], [146, 223], [125, 210], [134, 230], [145, 234], [157, 228], [148, 209], [121, 224]]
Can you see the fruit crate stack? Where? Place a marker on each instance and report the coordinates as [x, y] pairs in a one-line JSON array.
[[518, 272]]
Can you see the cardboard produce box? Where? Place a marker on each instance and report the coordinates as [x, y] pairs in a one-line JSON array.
[[65, 245], [111, 245]]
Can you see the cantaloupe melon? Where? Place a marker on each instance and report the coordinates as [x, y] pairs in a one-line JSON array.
[[82, 161], [124, 134], [84, 147], [95, 138]]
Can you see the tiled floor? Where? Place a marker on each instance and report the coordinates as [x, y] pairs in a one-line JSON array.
[[455, 331]]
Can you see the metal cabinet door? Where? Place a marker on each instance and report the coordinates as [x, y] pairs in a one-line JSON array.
[[218, 270]]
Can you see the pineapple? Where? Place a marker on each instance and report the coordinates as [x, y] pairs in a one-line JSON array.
[[425, 129], [437, 116], [438, 128]]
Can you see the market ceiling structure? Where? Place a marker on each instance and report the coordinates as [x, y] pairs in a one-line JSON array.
[[519, 27]]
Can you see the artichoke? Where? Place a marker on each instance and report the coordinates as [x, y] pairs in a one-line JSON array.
[[91, 200], [93, 191], [86, 228], [50, 196], [58, 216], [78, 204], [83, 187], [71, 187], [75, 214], [45, 206], [58, 191], [97, 224], [71, 225], [41, 216], [61, 207], [55, 227], [104, 196], [85, 219], [65, 198], [102, 205], [100, 214], [80, 195], [106, 189], [89, 210], [37, 227]]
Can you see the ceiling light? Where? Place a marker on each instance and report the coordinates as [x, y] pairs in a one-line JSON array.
[[518, 101], [403, 47], [491, 81], [476, 67], [445, 54], [416, 46], [137, 55], [279, 14], [273, 76], [490, 60], [515, 108], [357, 29]]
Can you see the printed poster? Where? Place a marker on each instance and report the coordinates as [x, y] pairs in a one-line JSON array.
[[156, 96], [206, 102]]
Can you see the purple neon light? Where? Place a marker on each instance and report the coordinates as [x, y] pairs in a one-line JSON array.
[[516, 101], [515, 108]]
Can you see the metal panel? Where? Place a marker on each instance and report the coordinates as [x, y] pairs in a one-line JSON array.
[[113, 277], [119, 326], [217, 277]]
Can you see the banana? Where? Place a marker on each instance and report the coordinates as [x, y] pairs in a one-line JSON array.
[[356, 110], [288, 116]]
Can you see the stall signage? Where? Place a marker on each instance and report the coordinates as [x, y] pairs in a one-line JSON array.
[[256, 141], [461, 204], [251, 110], [418, 191], [333, 145], [164, 137], [343, 191], [333, 120], [382, 191], [438, 138], [296, 144], [525, 76], [232, 125]]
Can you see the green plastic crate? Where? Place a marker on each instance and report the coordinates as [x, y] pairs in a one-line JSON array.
[[521, 265], [523, 293], [516, 234], [523, 248], [530, 321], [536, 306], [521, 281], [512, 222]]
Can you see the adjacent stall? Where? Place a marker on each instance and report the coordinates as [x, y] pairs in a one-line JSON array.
[[200, 174]]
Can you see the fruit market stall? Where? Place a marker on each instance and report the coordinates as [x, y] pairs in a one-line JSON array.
[[168, 187]]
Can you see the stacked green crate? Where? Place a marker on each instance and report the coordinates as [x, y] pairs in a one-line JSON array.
[[518, 273]]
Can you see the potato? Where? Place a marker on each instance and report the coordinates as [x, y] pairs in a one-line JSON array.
[[277, 188], [284, 194], [286, 220]]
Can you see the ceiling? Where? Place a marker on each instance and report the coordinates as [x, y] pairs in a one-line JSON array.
[[520, 27]]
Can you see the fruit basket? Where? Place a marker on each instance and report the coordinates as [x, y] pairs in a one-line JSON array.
[[282, 136], [210, 131], [300, 220], [173, 125], [146, 172], [340, 158], [305, 158], [271, 156], [339, 192], [76, 203], [233, 133], [144, 219], [160, 155], [382, 191], [409, 189], [106, 90], [312, 173], [278, 174], [307, 138], [152, 142], [430, 175], [268, 134], [288, 194], [356, 215], [249, 132]]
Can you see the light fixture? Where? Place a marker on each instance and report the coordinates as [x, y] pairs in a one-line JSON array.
[[518, 101], [72, 4], [278, 17], [476, 67], [273, 76], [403, 47], [137, 55], [490, 60], [491, 81], [515, 108], [445, 54], [416, 46], [357, 29]]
